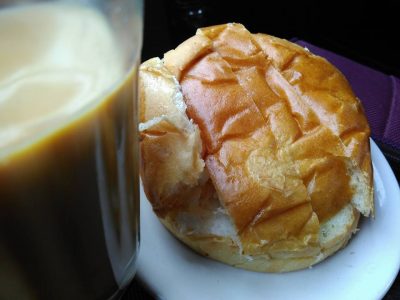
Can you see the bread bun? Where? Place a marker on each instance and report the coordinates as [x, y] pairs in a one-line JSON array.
[[255, 152]]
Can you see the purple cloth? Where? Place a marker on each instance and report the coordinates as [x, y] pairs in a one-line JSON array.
[[378, 92]]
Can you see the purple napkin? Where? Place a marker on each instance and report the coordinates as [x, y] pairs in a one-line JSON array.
[[378, 92]]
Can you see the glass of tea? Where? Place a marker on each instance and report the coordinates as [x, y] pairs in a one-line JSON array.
[[69, 200]]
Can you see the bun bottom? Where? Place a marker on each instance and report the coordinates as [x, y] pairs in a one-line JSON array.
[[334, 235]]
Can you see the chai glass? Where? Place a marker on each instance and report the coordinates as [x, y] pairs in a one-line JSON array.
[[69, 187]]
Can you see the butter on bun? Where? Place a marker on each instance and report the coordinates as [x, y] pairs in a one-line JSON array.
[[255, 152]]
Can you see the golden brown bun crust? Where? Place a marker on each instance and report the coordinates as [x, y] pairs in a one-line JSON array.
[[284, 140]]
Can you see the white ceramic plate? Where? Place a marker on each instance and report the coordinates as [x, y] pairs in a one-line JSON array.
[[365, 269]]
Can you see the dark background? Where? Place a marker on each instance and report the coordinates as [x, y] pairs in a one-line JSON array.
[[364, 31]]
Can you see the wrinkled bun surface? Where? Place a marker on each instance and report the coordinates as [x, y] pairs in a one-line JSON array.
[[255, 152]]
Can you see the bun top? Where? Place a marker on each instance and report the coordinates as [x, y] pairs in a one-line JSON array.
[[286, 142]]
